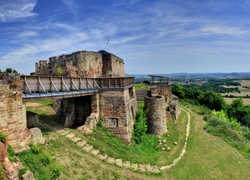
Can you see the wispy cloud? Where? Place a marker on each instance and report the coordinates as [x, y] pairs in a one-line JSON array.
[[16, 9]]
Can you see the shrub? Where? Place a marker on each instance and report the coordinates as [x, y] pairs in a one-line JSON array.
[[36, 149], [55, 172], [45, 159], [3, 137], [21, 172], [99, 123], [10, 151]]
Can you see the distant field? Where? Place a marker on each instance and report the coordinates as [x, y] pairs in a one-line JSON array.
[[245, 100], [243, 82], [244, 91]]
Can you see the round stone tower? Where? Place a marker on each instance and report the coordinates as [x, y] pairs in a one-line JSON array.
[[156, 113]]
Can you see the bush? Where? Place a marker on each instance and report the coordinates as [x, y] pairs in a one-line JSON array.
[[3, 137], [10, 151], [36, 149], [55, 172], [99, 123], [45, 159], [21, 172]]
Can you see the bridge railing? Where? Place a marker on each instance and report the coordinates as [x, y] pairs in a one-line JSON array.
[[44, 84], [117, 82]]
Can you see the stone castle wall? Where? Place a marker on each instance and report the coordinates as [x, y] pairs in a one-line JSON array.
[[13, 115], [73, 112], [156, 114], [164, 90], [82, 64], [140, 94], [117, 110]]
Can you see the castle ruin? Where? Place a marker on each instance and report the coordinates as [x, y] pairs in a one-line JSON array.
[[116, 107]]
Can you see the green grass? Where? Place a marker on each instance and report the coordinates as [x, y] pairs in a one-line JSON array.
[[142, 86], [40, 163], [207, 156], [1, 171], [140, 103]]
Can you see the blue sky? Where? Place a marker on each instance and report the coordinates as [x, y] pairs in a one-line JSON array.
[[151, 36]]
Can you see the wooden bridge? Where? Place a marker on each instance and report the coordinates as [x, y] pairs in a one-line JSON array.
[[37, 87]]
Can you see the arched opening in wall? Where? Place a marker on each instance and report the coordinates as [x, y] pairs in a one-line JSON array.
[[82, 110], [131, 92]]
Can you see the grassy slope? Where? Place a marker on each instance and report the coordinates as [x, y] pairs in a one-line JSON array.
[[207, 157]]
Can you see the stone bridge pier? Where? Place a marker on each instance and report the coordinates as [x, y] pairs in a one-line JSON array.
[[13, 114], [73, 112], [117, 109]]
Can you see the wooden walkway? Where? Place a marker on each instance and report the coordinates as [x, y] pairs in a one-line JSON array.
[[35, 87]]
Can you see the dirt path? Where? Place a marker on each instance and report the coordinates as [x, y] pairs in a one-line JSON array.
[[184, 147]]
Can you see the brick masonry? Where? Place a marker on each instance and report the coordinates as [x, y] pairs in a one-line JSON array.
[[156, 114], [13, 116], [82, 64], [117, 110]]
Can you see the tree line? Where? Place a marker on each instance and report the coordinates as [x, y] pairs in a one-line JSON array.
[[214, 101]]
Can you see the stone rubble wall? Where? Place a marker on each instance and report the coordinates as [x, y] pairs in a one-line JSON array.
[[13, 115], [117, 110], [164, 90], [156, 113], [73, 111], [140, 94], [82, 64]]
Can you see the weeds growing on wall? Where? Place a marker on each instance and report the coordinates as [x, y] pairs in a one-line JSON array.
[[3, 137]]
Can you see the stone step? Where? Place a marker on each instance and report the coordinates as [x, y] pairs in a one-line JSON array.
[[155, 169], [118, 162], [62, 132], [152, 168], [142, 168], [110, 160], [87, 147], [81, 143], [126, 164], [75, 139], [71, 135], [134, 166], [94, 151], [102, 157]]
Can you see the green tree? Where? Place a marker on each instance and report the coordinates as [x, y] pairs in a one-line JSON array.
[[239, 111], [178, 90], [213, 101], [10, 70]]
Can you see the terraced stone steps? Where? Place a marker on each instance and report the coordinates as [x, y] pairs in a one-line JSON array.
[[81, 143]]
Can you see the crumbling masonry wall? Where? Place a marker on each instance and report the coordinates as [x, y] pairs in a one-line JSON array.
[[13, 115], [82, 64], [156, 114], [73, 112], [117, 110]]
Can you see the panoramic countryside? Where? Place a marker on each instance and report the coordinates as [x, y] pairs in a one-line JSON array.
[[133, 89]]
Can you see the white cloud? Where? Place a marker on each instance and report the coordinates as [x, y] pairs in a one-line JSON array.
[[27, 34], [16, 9]]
